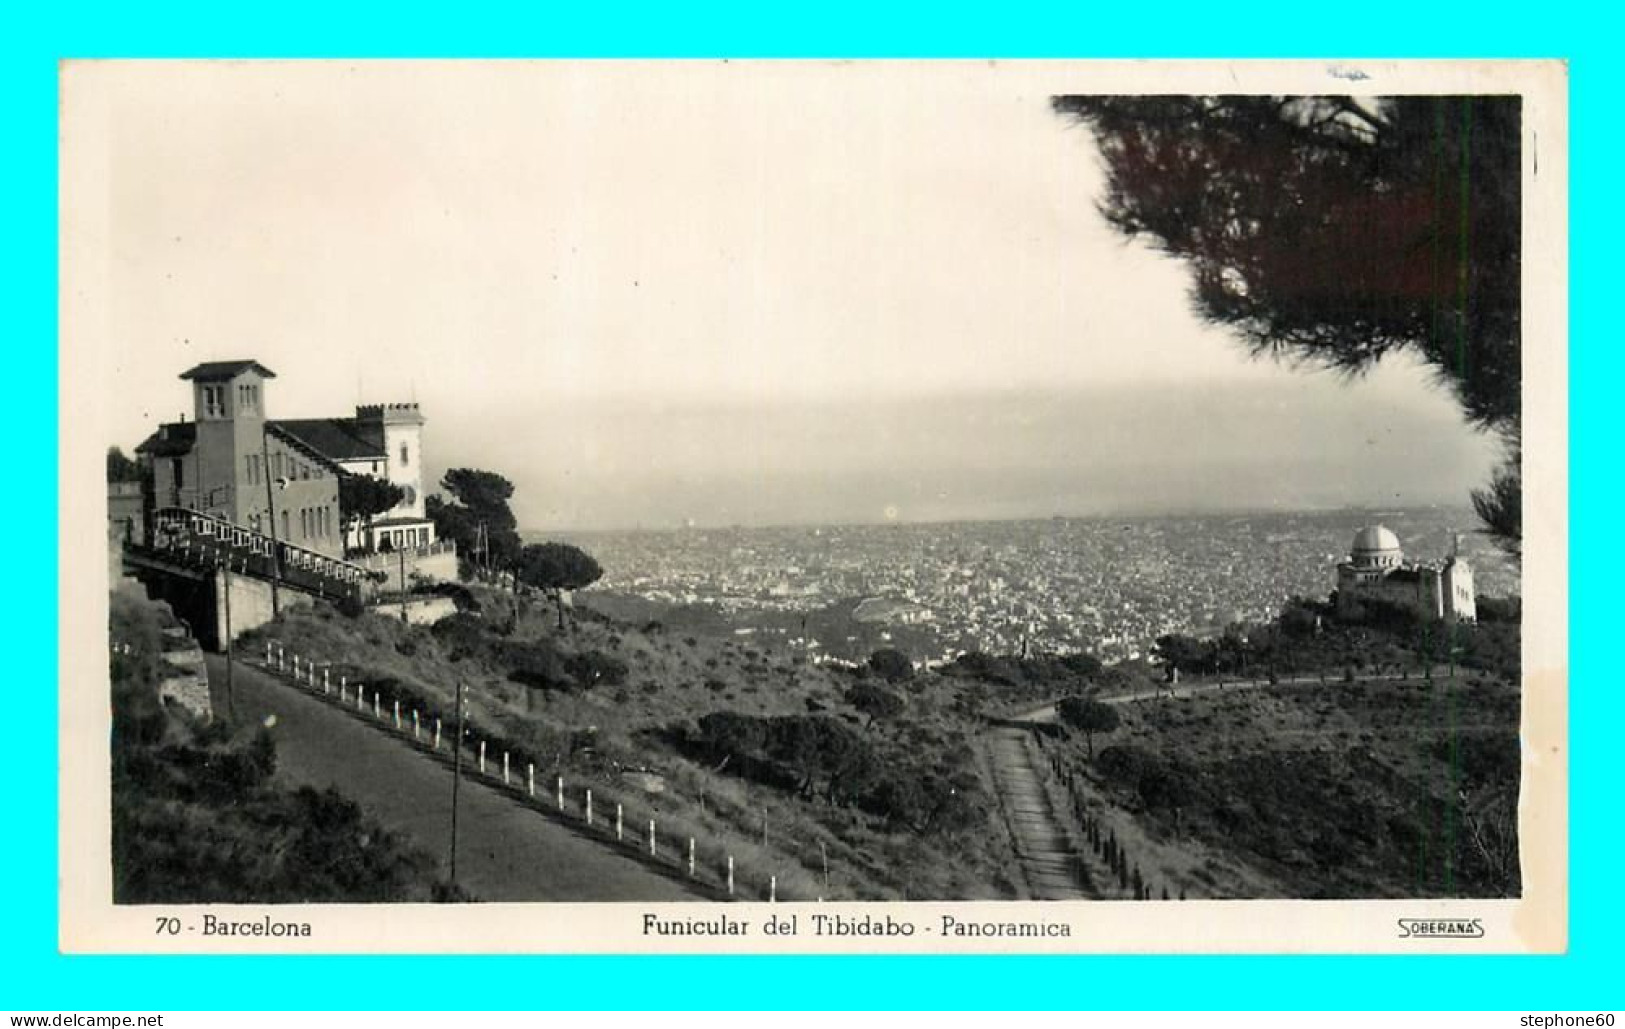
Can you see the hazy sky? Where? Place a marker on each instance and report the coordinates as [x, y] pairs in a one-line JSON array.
[[731, 293]]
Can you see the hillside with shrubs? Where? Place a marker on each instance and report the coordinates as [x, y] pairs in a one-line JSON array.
[[853, 782], [198, 817]]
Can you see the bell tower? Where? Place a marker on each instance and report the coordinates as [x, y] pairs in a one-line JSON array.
[[401, 426], [228, 405]]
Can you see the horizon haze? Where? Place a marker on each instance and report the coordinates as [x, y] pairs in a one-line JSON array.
[[647, 297]]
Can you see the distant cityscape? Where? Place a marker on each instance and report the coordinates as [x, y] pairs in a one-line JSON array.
[[1107, 585]]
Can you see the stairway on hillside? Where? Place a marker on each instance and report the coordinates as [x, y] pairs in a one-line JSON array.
[[1042, 842]]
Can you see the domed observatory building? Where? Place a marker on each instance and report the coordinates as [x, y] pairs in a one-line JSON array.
[[1376, 569]]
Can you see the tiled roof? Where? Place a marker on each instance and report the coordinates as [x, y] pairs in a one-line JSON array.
[[171, 440], [276, 429], [209, 371], [337, 439]]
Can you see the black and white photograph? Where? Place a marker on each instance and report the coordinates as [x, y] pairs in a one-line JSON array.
[[919, 505]]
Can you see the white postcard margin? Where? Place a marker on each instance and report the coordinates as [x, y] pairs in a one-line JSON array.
[[1535, 923]]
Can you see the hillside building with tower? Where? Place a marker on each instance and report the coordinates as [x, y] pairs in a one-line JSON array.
[[1376, 569], [280, 477]]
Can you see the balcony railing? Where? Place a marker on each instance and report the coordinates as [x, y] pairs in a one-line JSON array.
[[386, 560], [202, 540]]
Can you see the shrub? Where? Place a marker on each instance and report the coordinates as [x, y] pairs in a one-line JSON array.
[[461, 636], [536, 664], [1089, 716], [197, 817], [592, 668], [891, 664], [875, 702]]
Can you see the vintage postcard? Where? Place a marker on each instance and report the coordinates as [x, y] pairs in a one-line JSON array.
[[798, 507]]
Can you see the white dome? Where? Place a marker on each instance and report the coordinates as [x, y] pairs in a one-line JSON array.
[[1375, 539], [1376, 544]]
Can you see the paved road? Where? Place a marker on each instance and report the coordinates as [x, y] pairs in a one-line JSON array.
[[505, 852], [1047, 713], [1042, 845]]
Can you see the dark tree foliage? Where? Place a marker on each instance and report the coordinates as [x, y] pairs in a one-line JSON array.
[[1043, 674], [1334, 231], [1301, 617], [537, 664], [1499, 609], [817, 756], [1499, 504], [594, 668], [478, 498], [875, 702], [484, 493], [891, 664], [1086, 665], [556, 567], [120, 468], [980, 665], [1186, 654], [197, 816], [462, 636], [731, 734], [1088, 716], [363, 498]]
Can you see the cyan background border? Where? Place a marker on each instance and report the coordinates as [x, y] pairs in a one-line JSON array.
[[33, 39]]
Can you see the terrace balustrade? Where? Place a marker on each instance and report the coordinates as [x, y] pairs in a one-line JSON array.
[[204, 541]]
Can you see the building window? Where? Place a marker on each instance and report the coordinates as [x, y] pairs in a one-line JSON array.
[[177, 471], [214, 401], [403, 455]]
